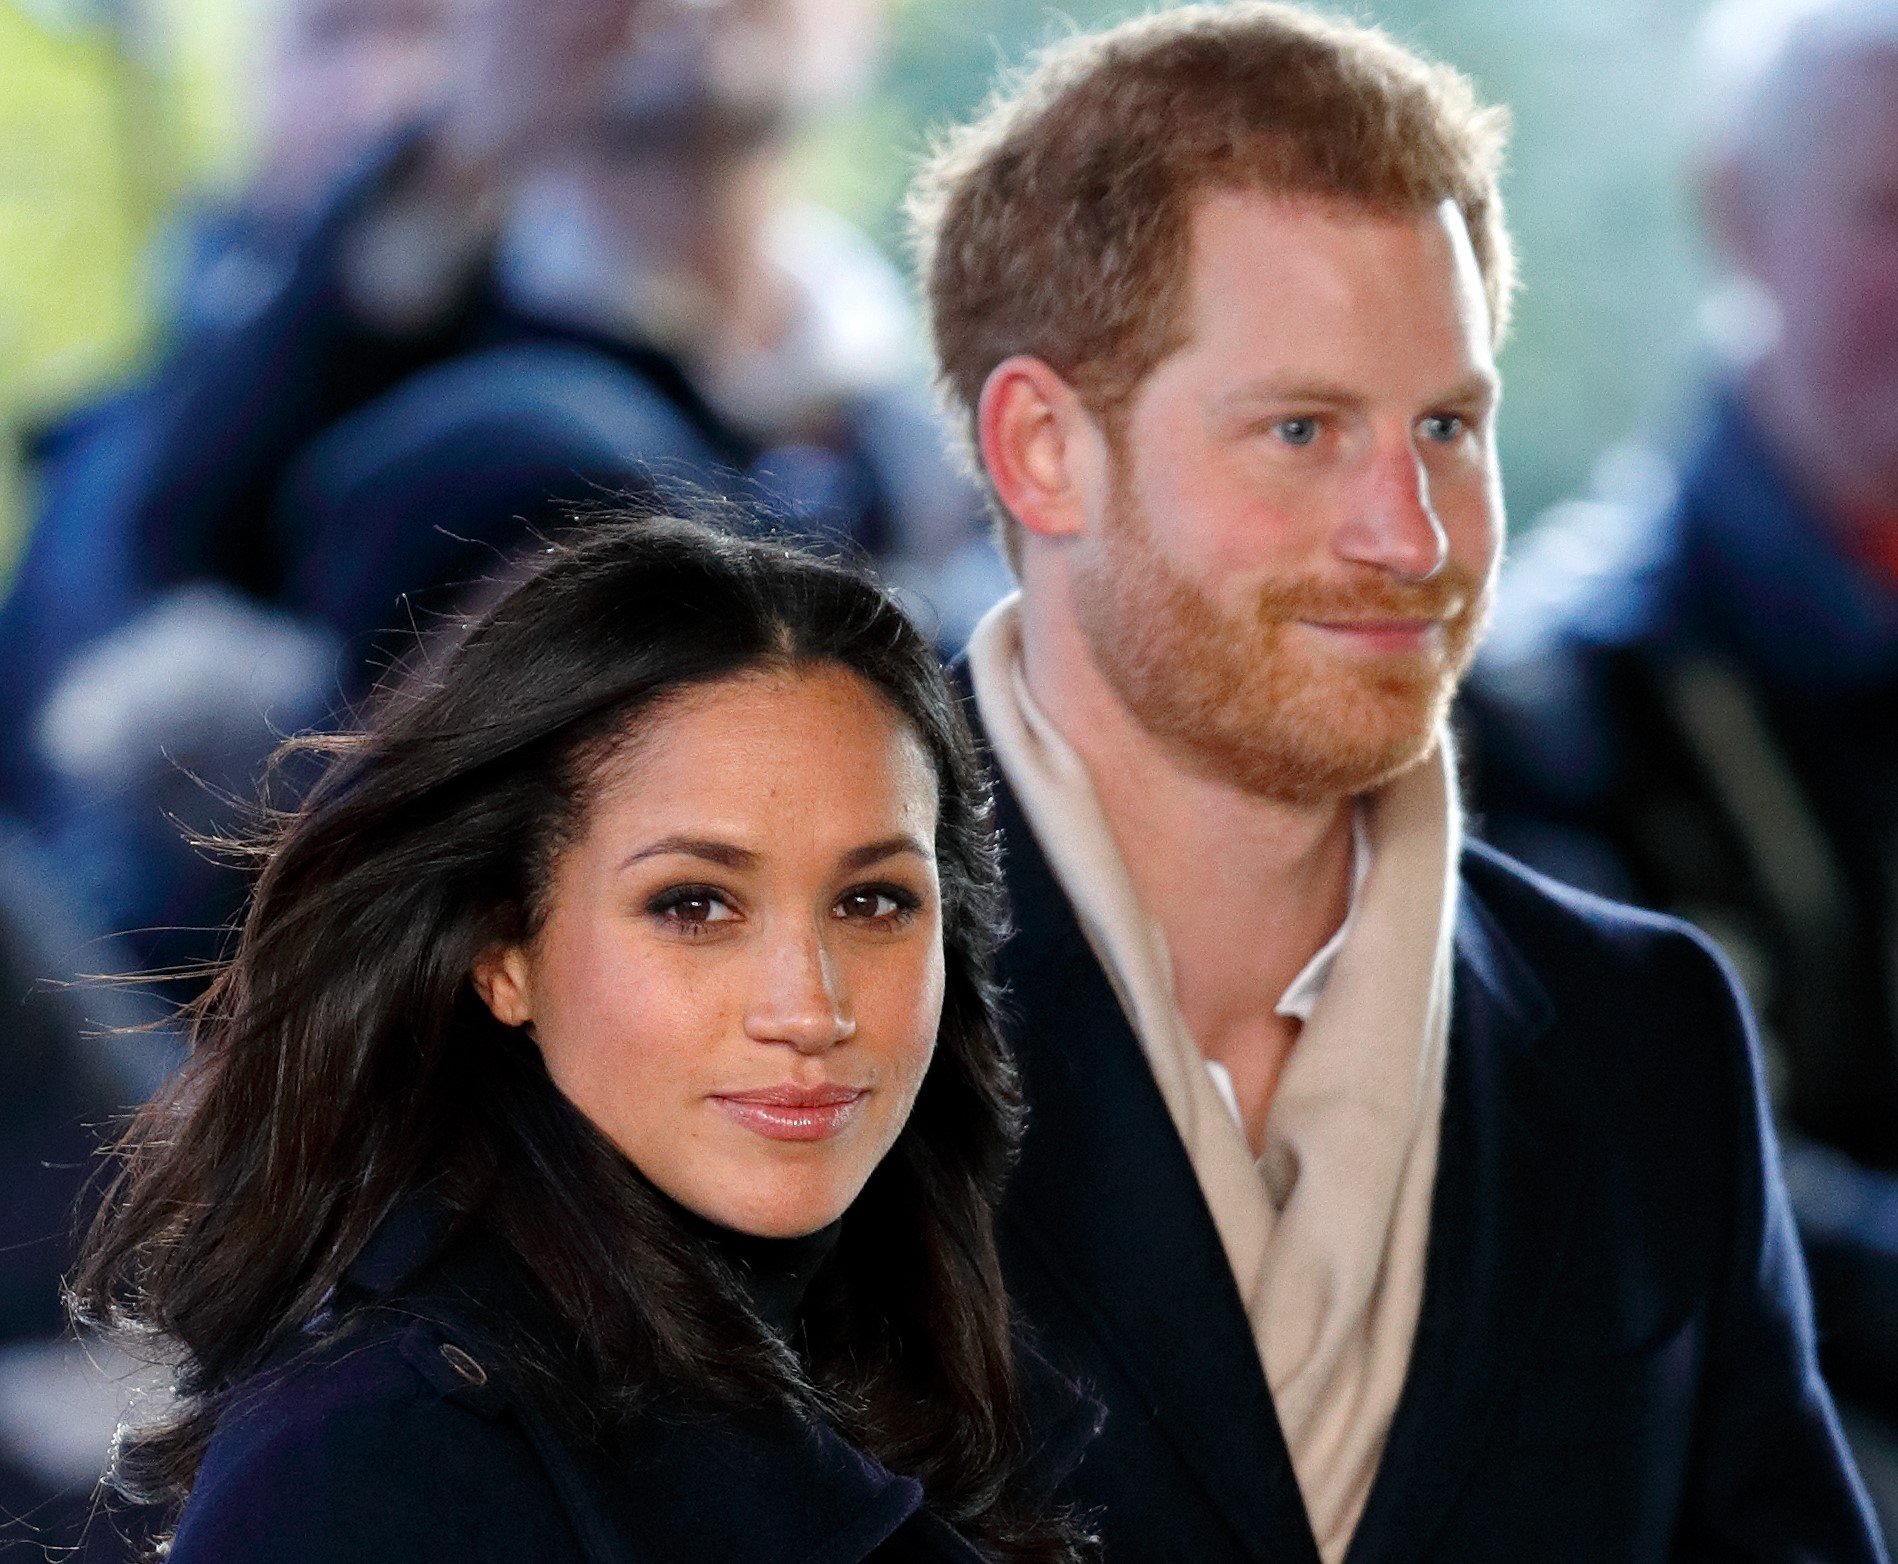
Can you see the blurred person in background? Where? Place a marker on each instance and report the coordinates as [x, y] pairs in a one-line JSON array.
[[1693, 702], [338, 76], [335, 77], [582, 273]]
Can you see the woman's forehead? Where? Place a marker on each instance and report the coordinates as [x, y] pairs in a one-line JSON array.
[[784, 752]]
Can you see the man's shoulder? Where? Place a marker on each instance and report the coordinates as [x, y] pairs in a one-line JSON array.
[[1638, 1002], [1528, 901], [1575, 939]]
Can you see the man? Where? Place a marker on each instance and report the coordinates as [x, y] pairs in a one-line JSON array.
[[1694, 703], [1397, 1204]]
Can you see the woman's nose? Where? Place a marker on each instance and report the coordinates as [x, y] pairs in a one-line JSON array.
[[800, 998]]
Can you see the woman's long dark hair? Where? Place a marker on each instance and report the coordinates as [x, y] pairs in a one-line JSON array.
[[341, 1060]]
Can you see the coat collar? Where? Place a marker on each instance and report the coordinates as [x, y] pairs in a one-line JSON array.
[[1104, 1177], [689, 1480]]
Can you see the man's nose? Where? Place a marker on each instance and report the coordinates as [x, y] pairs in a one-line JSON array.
[[1394, 526], [800, 997]]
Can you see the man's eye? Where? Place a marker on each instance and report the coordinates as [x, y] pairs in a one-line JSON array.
[[1443, 427], [1296, 431]]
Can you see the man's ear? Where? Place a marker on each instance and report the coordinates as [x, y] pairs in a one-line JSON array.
[[1042, 448], [501, 979]]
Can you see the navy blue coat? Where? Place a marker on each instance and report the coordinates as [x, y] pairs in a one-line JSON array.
[[398, 1441], [1614, 1360]]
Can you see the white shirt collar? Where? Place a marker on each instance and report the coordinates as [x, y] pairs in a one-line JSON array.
[[1301, 995]]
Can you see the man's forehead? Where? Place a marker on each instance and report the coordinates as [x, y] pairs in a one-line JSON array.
[[1288, 222], [1302, 264]]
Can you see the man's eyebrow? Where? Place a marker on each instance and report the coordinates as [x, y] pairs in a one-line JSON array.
[[876, 852], [1479, 386], [722, 853], [1320, 392]]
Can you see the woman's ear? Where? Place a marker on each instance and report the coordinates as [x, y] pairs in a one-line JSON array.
[[501, 978]]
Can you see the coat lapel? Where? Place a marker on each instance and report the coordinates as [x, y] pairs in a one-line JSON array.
[[756, 1486], [1106, 1197], [1498, 1220]]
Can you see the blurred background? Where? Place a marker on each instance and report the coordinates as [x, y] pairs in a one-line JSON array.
[[115, 114], [313, 312]]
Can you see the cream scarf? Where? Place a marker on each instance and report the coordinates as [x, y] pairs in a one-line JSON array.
[[1326, 1232]]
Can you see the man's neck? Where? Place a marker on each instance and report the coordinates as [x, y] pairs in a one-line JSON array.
[[1245, 889]]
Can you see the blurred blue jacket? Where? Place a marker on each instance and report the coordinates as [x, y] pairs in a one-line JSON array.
[[365, 476], [1694, 705], [358, 482]]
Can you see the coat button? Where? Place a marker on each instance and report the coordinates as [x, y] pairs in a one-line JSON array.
[[464, 1365]]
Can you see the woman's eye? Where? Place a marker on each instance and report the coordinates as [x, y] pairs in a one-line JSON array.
[[1296, 431], [1442, 428], [876, 904], [691, 906]]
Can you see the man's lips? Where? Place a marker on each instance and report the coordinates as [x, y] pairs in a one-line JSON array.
[[790, 1112], [1382, 635]]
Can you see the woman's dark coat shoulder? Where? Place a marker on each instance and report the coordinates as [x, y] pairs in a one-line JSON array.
[[374, 1446], [396, 1437]]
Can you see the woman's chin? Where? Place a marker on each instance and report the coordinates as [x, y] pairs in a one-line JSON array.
[[776, 1210]]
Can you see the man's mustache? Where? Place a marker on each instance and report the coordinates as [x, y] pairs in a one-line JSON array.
[[1448, 596]]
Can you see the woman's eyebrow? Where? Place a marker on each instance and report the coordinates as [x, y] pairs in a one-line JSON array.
[[876, 852], [729, 856], [722, 853]]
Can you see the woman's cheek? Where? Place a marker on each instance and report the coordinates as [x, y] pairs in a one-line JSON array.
[[914, 1030], [633, 1042]]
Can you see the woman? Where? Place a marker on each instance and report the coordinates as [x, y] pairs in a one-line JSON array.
[[589, 1151]]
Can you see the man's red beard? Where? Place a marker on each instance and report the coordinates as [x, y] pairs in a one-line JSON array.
[[1243, 696]]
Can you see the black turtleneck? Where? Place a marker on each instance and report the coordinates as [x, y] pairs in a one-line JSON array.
[[775, 1273]]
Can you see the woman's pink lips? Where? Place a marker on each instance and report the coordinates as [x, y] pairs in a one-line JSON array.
[[794, 1112]]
